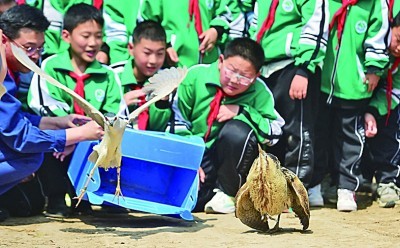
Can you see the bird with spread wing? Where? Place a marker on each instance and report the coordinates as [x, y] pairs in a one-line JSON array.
[[269, 190], [107, 154]]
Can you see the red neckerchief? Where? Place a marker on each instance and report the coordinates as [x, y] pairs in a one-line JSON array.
[[143, 117], [194, 10], [391, 4], [214, 110], [389, 86], [267, 24], [340, 18], [79, 89]]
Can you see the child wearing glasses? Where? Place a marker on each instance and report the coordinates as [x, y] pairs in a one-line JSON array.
[[78, 69], [227, 105]]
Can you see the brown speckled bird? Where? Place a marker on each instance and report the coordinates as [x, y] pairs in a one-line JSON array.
[[270, 189]]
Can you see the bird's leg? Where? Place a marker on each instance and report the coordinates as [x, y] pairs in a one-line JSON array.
[[118, 191], [84, 188], [276, 227]]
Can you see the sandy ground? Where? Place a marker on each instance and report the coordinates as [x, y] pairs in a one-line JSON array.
[[371, 226]]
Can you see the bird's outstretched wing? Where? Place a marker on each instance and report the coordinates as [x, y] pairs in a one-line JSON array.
[[161, 85], [87, 107], [299, 197]]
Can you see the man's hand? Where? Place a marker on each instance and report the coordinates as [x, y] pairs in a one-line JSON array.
[[298, 88], [371, 80], [227, 112], [62, 155], [370, 125], [71, 120], [208, 40]]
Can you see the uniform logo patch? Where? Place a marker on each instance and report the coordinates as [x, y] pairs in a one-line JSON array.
[[287, 5], [99, 94], [361, 27]]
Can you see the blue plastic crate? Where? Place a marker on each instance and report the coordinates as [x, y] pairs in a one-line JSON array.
[[158, 173]]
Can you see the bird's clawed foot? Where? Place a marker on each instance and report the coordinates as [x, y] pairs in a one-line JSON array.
[[118, 193]]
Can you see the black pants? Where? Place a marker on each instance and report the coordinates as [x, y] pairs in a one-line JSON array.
[[24, 199], [339, 143], [295, 149], [382, 152], [227, 163], [53, 174]]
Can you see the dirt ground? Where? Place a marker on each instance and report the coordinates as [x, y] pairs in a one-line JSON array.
[[371, 226]]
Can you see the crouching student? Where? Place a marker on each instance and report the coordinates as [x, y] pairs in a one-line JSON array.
[[233, 111]]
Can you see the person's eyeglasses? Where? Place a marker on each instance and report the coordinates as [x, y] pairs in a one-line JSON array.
[[29, 50], [242, 80]]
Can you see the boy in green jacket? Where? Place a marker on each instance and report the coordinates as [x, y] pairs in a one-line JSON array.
[[382, 128], [147, 51], [78, 69], [355, 59], [293, 34], [54, 11], [233, 111]]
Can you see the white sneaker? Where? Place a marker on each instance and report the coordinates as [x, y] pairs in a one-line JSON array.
[[346, 200], [220, 203], [315, 196]]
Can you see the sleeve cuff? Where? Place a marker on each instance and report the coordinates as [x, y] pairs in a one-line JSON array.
[[220, 31], [60, 140], [374, 112], [302, 71]]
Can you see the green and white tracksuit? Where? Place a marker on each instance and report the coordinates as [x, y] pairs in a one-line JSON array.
[[120, 18], [102, 88], [181, 33], [362, 50], [294, 45]]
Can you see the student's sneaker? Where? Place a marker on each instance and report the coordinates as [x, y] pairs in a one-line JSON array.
[[388, 195], [346, 200], [315, 196], [220, 203]]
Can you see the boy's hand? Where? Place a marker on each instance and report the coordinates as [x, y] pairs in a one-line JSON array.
[[102, 57], [62, 155], [370, 125], [371, 80], [208, 39], [172, 56], [298, 88], [132, 97], [227, 112]]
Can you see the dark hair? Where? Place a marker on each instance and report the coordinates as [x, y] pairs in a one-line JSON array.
[[246, 48], [22, 16], [396, 20], [81, 13], [150, 30]]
